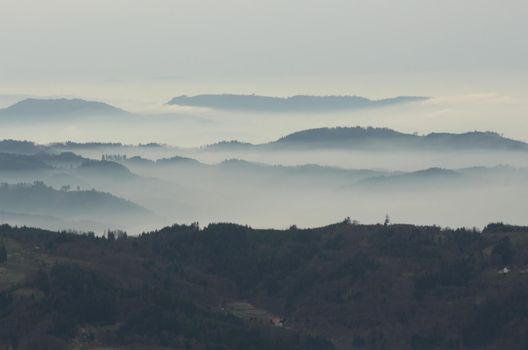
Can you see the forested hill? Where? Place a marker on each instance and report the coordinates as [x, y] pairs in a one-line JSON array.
[[38, 198], [344, 286], [371, 138], [383, 138]]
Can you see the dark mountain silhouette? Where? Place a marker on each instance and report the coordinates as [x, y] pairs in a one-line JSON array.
[[21, 147], [473, 139], [300, 103], [232, 145], [382, 138], [276, 172], [61, 160], [238, 172], [63, 164], [139, 161], [105, 169], [235, 165], [178, 160], [32, 108], [431, 178], [84, 145], [39, 199], [18, 162], [344, 286], [345, 136]]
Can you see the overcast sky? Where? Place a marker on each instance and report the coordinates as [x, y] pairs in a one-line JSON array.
[[239, 39]]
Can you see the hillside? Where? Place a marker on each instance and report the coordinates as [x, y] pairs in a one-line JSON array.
[[428, 179], [21, 147], [105, 169], [39, 199], [299, 103], [344, 286], [383, 138], [313, 172], [64, 163], [38, 109], [10, 162]]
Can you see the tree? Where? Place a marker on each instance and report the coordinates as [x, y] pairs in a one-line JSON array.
[[3, 254], [505, 250], [387, 220]]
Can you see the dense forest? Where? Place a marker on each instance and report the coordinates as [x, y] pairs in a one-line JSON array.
[[226, 286]]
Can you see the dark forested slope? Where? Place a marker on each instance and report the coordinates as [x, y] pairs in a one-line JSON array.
[[344, 286]]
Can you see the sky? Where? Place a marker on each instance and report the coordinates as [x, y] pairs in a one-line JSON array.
[[138, 54], [240, 40]]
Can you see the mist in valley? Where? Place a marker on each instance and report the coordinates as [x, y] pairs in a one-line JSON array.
[[265, 169], [183, 126], [270, 185]]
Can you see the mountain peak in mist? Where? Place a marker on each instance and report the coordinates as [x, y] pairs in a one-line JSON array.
[[298, 103], [33, 107], [342, 133], [347, 137]]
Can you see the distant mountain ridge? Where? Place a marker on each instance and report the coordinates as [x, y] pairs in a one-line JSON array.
[[37, 198], [21, 147], [383, 138], [299, 103], [17, 162], [370, 138], [416, 179], [61, 107]]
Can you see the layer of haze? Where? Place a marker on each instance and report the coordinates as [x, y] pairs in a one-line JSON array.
[[193, 127], [137, 55]]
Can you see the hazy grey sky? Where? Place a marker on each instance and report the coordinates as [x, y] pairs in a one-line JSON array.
[[113, 40]]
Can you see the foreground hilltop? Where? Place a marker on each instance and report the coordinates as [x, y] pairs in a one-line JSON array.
[[226, 286]]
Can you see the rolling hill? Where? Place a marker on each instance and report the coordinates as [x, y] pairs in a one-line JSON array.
[[383, 138], [15, 162], [299, 103], [427, 179], [39, 199], [56, 109], [21, 147]]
